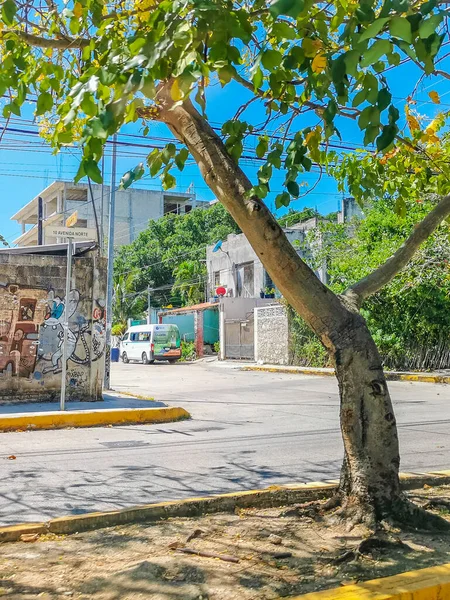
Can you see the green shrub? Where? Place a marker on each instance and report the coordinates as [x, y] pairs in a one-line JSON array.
[[188, 351], [118, 329], [216, 347], [306, 350]]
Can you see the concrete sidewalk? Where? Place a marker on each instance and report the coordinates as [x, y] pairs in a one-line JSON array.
[[116, 408]]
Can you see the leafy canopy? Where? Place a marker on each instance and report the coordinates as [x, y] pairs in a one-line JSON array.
[[167, 255], [94, 65], [409, 318]]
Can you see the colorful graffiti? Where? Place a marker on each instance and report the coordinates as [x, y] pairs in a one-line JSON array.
[[32, 332]]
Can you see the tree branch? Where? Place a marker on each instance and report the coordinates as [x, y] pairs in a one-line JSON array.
[[388, 270], [64, 43], [319, 306]]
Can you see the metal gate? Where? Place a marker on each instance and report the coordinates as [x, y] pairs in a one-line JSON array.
[[239, 338]]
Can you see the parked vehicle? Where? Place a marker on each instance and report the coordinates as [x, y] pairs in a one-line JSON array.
[[147, 343]]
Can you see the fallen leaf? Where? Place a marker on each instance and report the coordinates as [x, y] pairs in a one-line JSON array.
[[29, 537], [12, 457]]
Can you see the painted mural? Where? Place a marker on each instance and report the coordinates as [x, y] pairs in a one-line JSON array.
[[32, 333]]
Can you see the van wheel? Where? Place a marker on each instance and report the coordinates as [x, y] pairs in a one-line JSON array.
[[125, 358], [145, 360]]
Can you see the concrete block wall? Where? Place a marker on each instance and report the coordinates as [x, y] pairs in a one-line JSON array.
[[271, 335], [32, 307]]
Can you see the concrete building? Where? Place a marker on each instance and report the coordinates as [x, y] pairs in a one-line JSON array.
[[33, 309], [236, 267], [134, 209]]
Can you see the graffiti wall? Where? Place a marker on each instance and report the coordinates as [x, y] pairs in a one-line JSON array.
[[33, 311]]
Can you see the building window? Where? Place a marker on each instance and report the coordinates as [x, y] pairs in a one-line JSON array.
[[217, 281], [245, 280]]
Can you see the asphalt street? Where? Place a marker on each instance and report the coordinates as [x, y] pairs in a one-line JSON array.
[[248, 430]]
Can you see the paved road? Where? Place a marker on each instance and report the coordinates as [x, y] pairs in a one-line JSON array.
[[249, 430]]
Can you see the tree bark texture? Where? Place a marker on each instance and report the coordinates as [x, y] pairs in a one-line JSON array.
[[371, 464]]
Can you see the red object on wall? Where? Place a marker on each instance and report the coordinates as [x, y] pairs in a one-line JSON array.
[[221, 291]]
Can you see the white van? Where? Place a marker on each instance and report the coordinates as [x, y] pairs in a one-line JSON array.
[[147, 343]]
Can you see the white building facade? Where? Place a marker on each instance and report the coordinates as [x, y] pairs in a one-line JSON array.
[[134, 209]]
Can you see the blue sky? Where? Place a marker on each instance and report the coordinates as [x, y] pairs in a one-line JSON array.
[[27, 164]]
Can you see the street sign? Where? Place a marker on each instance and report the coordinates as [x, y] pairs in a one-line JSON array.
[[72, 220], [74, 233]]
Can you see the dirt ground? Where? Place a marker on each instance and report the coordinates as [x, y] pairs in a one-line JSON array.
[[141, 561]]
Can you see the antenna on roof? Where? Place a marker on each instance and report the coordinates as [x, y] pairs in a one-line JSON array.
[[218, 246]]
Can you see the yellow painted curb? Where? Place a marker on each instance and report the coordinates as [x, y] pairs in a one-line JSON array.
[[91, 418], [270, 497], [432, 583], [390, 375], [149, 398]]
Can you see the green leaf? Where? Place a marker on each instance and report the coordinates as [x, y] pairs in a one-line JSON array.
[[384, 99], [274, 158], [359, 97], [13, 108], [307, 163], [92, 171], [293, 188], [387, 137], [427, 7], [290, 8], [338, 69], [181, 157], [401, 28], [373, 29], [88, 105], [155, 166], [282, 30], [400, 207], [371, 134], [131, 176], [394, 114], [406, 49], [330, 111], [351, 62], [271, 59], [375, 52], [80, 173], [168, 181], [369, 116], [283, 199], [44, 103], [428, 27], [137, 44], [9, 10], [394, 58], [257, 78], [262, 147]]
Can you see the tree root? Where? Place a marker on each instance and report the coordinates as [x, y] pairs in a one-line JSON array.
[[352, 512], [380, 541], [314, 508], [412, 516], [437, 503]]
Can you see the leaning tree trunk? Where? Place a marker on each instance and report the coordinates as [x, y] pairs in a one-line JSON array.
[[369, 487]]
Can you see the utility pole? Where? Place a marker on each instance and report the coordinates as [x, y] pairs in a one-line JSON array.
[[109, 289], [101, 241], [40, 220], [149, 319]]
